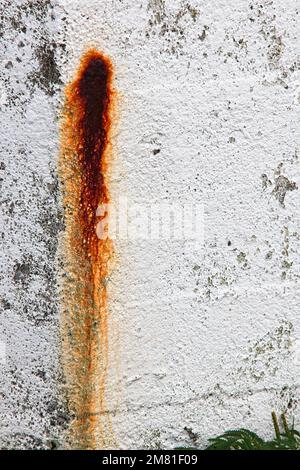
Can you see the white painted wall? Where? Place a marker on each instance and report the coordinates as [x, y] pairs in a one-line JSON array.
[[206, 339]]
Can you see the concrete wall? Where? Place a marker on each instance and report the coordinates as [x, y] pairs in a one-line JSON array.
[[202, 339]]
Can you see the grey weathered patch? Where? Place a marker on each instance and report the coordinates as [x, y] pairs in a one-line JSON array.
[[219, 277], [242, 259], [23, 441], [203, 35], [286, 263], [31, 18], [47, 75], [268, 29], [288, 398], [22, 272], [264, 356], [34, 414], [172, 26], [269, 255], [282, 186], [152, 440], [265, 181], [276, 49], [194, 437]]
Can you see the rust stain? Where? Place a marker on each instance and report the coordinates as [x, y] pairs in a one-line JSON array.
[[84, 162]]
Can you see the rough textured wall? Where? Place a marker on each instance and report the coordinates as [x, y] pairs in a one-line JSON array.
[[201, 340]]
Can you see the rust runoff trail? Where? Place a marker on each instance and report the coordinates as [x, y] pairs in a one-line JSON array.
[[84, 161]]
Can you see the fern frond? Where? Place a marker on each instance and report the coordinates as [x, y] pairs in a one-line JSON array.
[[243, 439], [239, 439]]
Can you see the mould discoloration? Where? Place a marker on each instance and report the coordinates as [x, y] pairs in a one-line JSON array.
[[171, 27], [27, 24], [39, 304], [22, 273], [47, 75], [265, 181], [287, 398], [286, 262], [264, 356], [31, 219], [153, 439], [210, 283], [264, 14], [282, 186], [193, 436], [242, 259]]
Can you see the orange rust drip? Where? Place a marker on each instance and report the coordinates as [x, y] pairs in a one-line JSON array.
[[85, 156]]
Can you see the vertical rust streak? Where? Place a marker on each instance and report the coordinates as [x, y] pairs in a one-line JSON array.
[[85, 152]]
